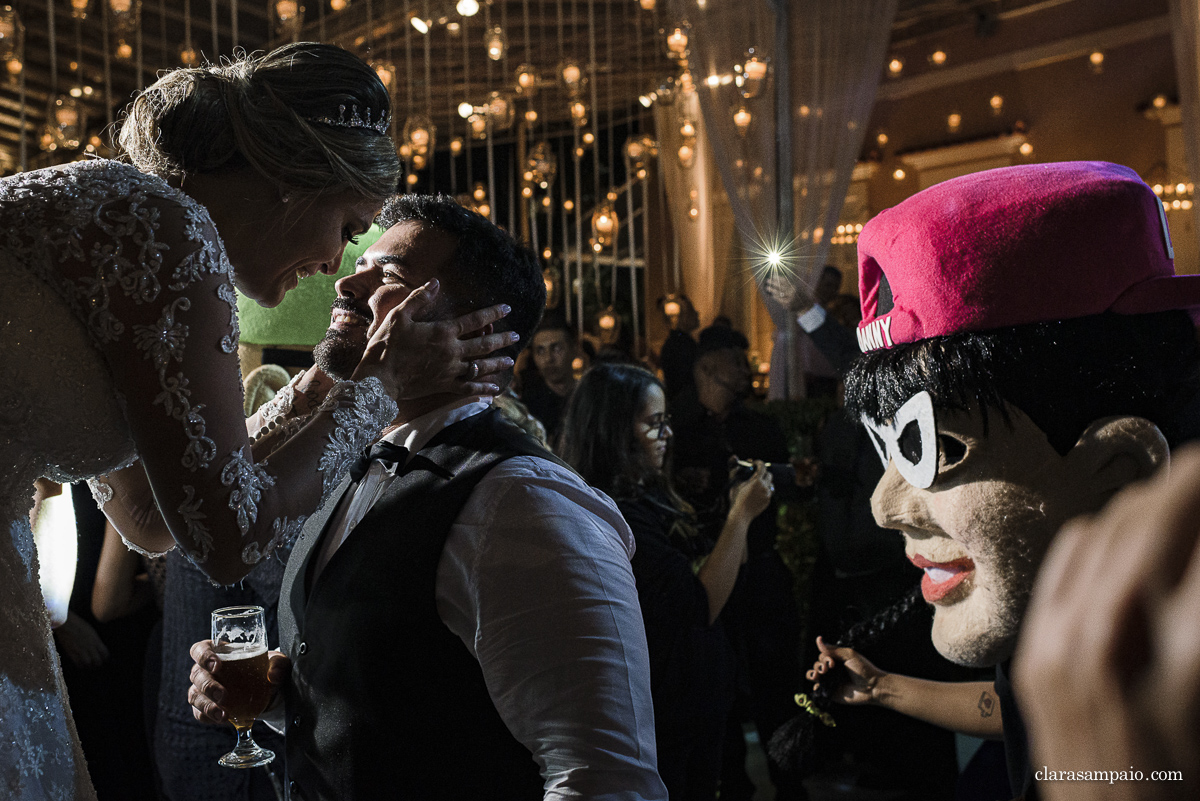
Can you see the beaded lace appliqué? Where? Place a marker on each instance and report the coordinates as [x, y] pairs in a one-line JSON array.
[[361, 410]]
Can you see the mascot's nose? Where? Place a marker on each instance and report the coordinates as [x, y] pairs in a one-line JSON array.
[[897, 504]]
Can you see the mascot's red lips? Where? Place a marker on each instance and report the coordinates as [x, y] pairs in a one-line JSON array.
[[942, 577]]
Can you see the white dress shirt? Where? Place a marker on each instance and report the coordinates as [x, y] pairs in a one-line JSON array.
[[535, 580]]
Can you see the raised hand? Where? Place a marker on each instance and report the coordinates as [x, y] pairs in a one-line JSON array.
[[854, 684], [752, 497], [1110, 645], [414, 358]]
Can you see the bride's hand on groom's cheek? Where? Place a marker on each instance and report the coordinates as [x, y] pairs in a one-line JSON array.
[[207, 693]]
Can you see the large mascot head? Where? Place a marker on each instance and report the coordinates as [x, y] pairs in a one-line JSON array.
[[1026, 356]]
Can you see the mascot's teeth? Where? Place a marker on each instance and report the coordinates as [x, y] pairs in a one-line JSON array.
[[937, 574]]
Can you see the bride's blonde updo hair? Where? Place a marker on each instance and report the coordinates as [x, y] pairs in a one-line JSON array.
[[275, 113]]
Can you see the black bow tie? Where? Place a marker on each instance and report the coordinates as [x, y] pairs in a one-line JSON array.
[[382, 451]]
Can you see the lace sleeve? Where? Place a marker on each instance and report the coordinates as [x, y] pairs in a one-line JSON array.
[[164, 312]]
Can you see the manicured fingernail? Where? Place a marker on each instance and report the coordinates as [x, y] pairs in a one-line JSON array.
[[432, 285], [493, 389], [504, 307], [507, 362], [514, 336]]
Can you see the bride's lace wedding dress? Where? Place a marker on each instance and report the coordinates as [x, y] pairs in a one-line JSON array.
[[112, 279]]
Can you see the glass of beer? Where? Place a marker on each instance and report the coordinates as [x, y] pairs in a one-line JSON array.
[[239, 636]]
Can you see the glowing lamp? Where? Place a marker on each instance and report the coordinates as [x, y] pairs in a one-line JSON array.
[[687, 156], [339, 5], [672, 307], [124, 50], [677, 42], [687, 129], [479, 193], [495, 41], [456, 145], [465, 110], [572, 76], [1159, 101], [484, 209], [647, 5], [997, 103], [411, 179], [526, 79], [386, 72], [895, 67], [755, 68], [531, 116], [285, 10], [187, 55], [937, 58], [80, 8], [467, 8], [568, 205], [741, 118], [1026, 149], [953, 122], [607, 321], [898, 174]]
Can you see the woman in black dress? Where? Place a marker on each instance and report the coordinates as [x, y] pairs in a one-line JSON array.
[[616, 434]]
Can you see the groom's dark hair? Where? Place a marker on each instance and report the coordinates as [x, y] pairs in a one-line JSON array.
[[489, 266]]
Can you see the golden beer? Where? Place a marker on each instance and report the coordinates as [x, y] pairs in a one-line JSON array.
[[243, 673]]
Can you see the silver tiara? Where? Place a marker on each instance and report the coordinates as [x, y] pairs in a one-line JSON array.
[[356, 120]]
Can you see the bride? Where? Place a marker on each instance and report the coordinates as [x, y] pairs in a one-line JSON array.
[[118, 330]]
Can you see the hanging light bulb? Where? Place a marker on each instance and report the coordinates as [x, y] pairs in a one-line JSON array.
[[677, 42], [478, 192], [605, 224], [895, 67], [120, 6], [526, 80], [456, 145], [68, 118], [14, 67], [588, 138], [579, 114], [411, 179], [742, 118], [687, 128], [478, 123], [647, 5], [465, 110], [285, 10], [672, 306], [453, 27], [531, 116], [542, 164], [339, 5], [753, 75], [123, 50], [607, 319], [572, 77], [467, 8], [568, 205], [953, 122], [419, 23], [80, 8], [997, 104], [386, 72], [500, 110], [496, 42], [418, 162], [687, 155], [187, 55], [420, 134]]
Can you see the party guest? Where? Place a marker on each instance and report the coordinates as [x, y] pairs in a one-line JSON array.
[[616, 434]]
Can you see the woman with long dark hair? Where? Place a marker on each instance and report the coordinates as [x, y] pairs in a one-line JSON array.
[[616, 434]]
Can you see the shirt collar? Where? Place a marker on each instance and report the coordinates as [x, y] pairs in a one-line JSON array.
[[417, 433]]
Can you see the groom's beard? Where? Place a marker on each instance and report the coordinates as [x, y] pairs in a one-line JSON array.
[[338, 353]]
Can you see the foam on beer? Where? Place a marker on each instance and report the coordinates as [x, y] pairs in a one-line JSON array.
[[232, 652]]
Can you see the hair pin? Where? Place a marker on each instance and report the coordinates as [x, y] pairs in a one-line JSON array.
[[808, 706]]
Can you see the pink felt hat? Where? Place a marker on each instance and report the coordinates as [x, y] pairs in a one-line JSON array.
[[1017, 245]]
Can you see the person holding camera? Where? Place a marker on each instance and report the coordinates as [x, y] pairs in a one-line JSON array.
[[617, 435]]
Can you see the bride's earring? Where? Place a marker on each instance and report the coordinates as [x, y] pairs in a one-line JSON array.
[[285, 197]]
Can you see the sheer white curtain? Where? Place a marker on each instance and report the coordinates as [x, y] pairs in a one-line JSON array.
[[786, 153]]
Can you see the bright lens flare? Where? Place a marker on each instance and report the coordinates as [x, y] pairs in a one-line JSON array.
[[774, 259]]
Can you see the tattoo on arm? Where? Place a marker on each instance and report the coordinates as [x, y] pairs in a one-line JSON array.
[[987, 704]]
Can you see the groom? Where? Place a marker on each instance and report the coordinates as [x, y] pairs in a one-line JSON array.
[[462, 622]]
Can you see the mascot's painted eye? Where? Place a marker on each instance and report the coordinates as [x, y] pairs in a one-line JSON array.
[[952, 450]]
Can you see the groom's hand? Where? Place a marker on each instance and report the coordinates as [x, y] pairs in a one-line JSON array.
[[206, 693]]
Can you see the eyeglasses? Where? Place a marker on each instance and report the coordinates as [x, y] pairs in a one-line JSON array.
[[659, 426], [909, 441]]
